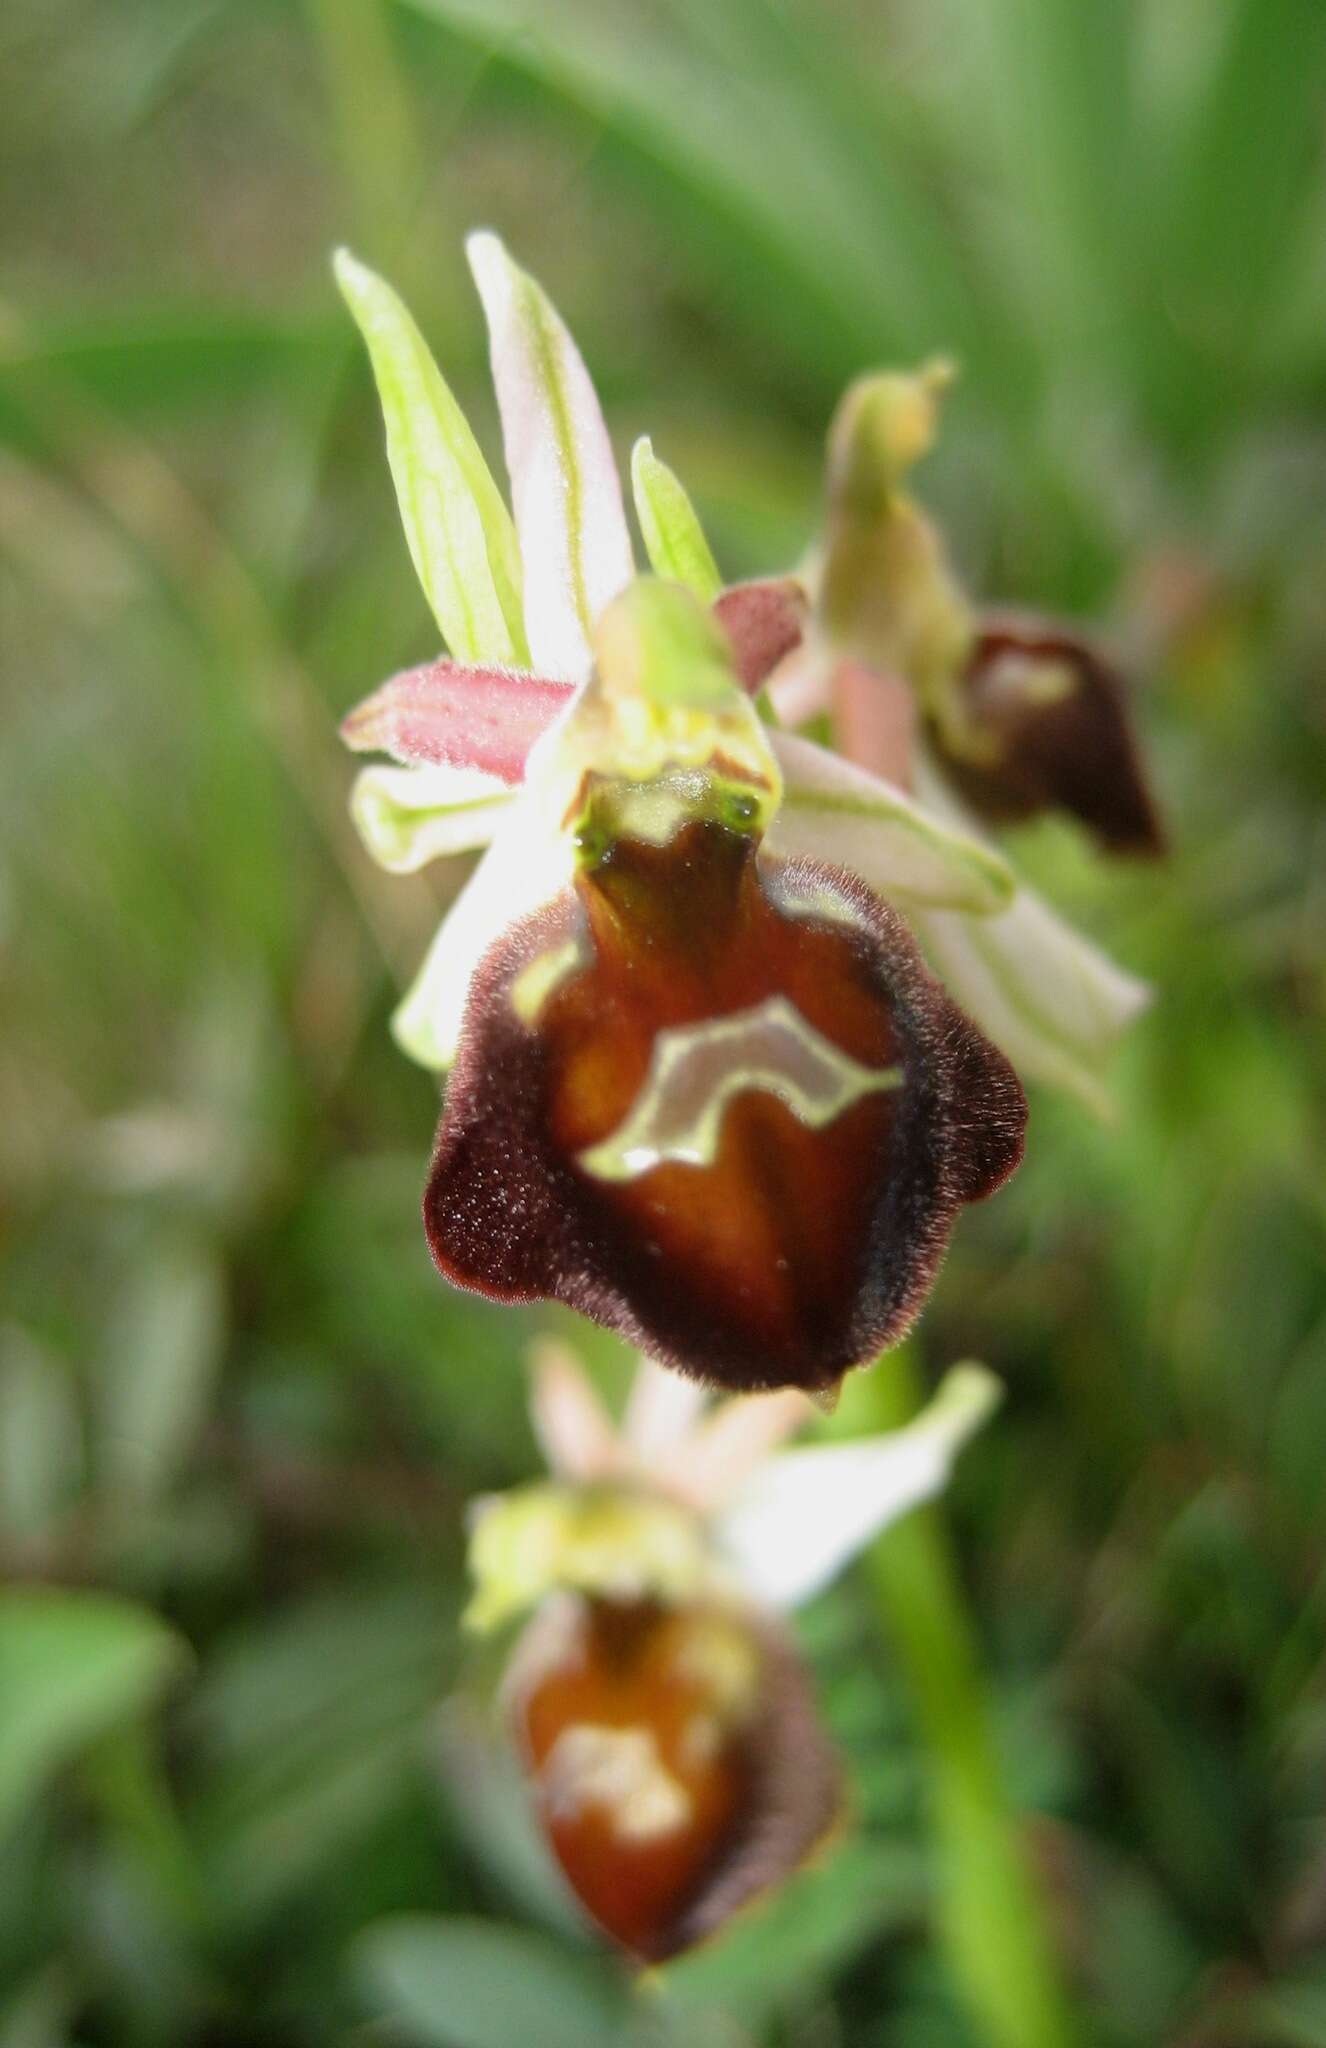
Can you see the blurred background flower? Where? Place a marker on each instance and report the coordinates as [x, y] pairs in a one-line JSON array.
[[238, 1418]]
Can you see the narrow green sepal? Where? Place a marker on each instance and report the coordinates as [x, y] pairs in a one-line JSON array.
[[461, 537], [673, 536], [657, 644]]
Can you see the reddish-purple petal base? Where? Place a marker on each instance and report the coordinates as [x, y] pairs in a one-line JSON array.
[[764, 620]]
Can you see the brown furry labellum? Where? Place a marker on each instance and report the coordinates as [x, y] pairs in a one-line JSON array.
[[1052, 731], [717, 1103], [677, 1762]]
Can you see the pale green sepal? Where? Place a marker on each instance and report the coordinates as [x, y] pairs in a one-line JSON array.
[[567, 497], [658, 646], [608, 1541], [887, 593], [805, 1514], [407, 817], [662, 732], [1053, 1002], [461, 536], [885, 422], [837, 812], [524, 868], [673, 536]]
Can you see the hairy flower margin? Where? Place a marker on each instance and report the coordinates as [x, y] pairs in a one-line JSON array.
[[663, 1720], [702, 1084]]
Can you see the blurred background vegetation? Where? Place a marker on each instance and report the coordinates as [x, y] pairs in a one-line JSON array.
[[238, 1416]]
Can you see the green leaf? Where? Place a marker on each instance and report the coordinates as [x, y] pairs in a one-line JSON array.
[[673, 536], [830, 242], [164, 1334], [72, 1665], [304, 1758], [41, 1445], [1291, 2012], [462, 1983], [800, 1934], [460, 534], [40, 2011], [574, 544]]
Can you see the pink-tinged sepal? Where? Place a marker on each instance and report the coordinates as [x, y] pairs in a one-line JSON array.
[[574, 546], [718, 1104], [448, 714]]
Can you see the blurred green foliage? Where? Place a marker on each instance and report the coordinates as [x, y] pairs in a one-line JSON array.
[[238, 1417]]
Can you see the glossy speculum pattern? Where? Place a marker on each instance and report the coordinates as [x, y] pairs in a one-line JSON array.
[[718, 1103], [1052, 718], [676, 1759]]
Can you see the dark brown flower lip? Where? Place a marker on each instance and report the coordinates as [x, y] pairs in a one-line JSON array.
[[795, 1254], [798, 1801], [1075, 751], [770, 1798]]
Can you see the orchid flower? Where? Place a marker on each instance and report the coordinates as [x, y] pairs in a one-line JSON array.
[[663, 1719], [701, 1085], [673, 1102], [1001, 714], [517, 602]]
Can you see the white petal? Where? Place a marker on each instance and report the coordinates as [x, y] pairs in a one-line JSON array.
[[526, 865], [574, 545], [1047, 997], [575, 1431], [716, 1461], [836, 812], [806, 1513], [409, 816], [661, 1408]]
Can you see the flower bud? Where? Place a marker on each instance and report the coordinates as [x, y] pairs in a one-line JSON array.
[[1045, 726]]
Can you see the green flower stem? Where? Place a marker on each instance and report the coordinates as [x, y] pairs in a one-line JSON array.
[[990, 1918]]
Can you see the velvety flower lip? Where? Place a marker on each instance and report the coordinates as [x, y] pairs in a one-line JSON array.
[[665, 1725], [786, 1248], [1050, 730], [676, 1759]]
